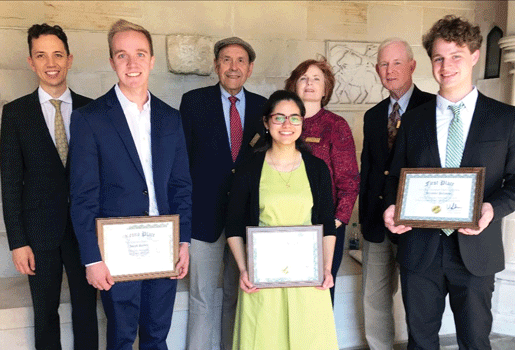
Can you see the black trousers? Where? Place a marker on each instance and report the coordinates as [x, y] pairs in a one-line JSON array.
[[470, 299], [45, 288], [338, 255]]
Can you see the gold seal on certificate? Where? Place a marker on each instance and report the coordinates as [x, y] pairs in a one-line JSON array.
[[139, 247], [440, 197], [285, 256]]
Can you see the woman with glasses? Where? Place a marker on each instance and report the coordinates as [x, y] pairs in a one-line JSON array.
[[283, 185], [330, 139]]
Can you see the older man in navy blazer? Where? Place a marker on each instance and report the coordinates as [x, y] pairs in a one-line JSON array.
[[221, 124], [128, 158], [395, 67]]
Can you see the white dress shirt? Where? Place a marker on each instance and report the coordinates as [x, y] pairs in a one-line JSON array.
[[226, 105], [403, 101], [139, 125], [49, 111], [444, 117]]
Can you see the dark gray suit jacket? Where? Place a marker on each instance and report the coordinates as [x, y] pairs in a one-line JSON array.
[[35, 184]]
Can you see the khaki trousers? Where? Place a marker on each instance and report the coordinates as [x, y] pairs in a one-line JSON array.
[[380, 283], [207, 262]]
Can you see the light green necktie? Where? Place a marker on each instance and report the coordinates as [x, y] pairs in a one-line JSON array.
[[61, 143], [455, 144]]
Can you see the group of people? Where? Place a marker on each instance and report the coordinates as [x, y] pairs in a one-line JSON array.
[[229, 159]]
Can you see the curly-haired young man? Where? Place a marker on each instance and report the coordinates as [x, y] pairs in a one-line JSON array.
[[461, 128]]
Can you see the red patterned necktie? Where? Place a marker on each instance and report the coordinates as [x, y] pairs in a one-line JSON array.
[[236, 129]]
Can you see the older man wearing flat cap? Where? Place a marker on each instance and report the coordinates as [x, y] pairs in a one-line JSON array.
[[222, 123]]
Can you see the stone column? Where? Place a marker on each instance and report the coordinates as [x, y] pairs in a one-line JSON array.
[[507, 44], [503, 307]]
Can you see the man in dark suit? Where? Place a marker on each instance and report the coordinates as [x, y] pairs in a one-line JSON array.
[[128, 158], [221, 124], [395, 67], [35, 192], [461, 128]]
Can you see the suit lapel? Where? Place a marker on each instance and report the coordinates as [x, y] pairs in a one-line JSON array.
[[115, 113], [479, 118], [249, 127], [383, 125], [413, 101], [74, 100], [218, 122], [429, 115], [39, 123]]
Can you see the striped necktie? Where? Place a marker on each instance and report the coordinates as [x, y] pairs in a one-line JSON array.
[[455, 144], [61, 142]]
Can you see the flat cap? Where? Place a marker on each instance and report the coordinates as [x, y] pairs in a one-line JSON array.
[[235, 41]]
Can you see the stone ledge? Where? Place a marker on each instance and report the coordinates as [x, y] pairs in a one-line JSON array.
[[15, 292]]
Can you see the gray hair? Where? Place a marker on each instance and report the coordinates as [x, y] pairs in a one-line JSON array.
[[390, 41]]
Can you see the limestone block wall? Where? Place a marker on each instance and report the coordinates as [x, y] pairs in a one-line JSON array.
[[283, 33]]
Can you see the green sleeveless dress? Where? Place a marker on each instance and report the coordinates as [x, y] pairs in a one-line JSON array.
[[285, 318]]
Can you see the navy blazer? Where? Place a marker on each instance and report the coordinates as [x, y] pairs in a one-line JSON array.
[[106, 175], [211, 166], [244, 200], [35, 184], [491, 144], [375, 161]]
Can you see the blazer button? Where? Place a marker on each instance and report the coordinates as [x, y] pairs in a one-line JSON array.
[[145, 193], [380, 197], [386, 172], [233, 171], [145, 212]]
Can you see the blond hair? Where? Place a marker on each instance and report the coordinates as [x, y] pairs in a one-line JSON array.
[[125, 26]]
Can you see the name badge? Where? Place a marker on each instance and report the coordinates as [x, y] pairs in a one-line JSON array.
[[254, 140], [313, 139]]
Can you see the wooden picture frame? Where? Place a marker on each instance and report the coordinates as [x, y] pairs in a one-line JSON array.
[[449, 198], [139, 247]]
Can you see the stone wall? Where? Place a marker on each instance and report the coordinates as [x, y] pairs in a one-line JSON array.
[[283, 33]]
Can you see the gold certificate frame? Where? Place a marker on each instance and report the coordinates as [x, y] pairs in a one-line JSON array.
[[285, 256], [448, 198], [139, 247]]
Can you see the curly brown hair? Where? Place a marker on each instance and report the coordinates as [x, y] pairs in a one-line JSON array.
[[329, 80], [455, 29]]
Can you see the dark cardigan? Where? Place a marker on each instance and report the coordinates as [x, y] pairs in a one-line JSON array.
[[243, 207]]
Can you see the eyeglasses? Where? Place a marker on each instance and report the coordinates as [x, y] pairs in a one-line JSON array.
[[280, 119]]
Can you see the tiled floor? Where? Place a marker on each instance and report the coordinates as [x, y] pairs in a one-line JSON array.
[[498, 342]]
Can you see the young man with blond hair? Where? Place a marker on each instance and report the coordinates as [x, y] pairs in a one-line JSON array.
[[128, 158]]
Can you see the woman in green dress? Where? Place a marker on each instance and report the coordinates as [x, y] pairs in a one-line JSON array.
[[283, 185]]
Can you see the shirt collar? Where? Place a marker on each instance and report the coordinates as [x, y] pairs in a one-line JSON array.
[[469, 101], [126, 103], [404, 100], [44, 96], [226, 95]]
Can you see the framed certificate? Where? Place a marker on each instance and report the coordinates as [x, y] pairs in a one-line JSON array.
[[139, 247], [440, 197], [285, 256]]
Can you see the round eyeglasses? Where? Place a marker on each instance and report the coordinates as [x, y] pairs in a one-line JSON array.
[[280, 119]]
